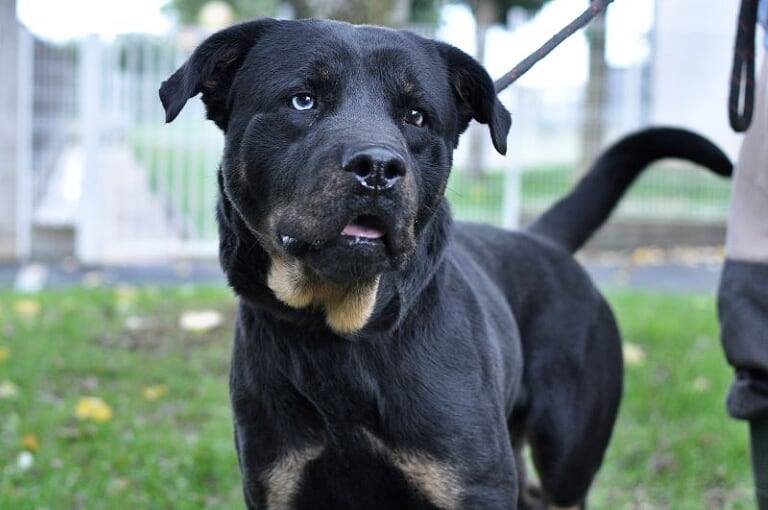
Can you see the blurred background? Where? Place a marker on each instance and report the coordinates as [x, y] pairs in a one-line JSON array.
[[114, 320], [91, 173]]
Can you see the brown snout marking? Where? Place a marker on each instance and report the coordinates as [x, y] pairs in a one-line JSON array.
[[437, 481], [347, 307], [282, 480]]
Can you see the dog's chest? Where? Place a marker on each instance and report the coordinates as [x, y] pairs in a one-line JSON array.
[[358, 462], [356, 475]]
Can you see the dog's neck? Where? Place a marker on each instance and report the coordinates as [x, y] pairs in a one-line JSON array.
[[250, 271]]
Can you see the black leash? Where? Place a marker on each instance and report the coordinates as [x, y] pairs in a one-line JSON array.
[[595, 8], [741, 102]]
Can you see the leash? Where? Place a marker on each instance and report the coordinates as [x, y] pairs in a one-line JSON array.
[[743, 73], [742, 81], [596, 8]]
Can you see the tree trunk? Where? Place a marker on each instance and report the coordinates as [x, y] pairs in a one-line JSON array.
[[485, 15], [593, 129]]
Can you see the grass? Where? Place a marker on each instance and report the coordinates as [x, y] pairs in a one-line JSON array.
[[664, 192], [674, 447], [182, 173]]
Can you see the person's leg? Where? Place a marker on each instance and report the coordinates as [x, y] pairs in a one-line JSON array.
[[743, 293]]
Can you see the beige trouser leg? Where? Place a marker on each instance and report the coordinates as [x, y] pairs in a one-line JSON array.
[[747, 238]]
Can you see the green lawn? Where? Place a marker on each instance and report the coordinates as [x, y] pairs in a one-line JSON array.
[[160, 435], [662, 193], [181, 162]]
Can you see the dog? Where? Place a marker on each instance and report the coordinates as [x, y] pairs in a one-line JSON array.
[[384, 356]]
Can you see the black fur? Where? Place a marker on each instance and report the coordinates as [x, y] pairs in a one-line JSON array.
[[480, 339]]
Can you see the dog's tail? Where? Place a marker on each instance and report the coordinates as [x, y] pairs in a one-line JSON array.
[[574, 218]]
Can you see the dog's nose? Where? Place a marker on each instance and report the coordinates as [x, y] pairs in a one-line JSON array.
[[376, 168]]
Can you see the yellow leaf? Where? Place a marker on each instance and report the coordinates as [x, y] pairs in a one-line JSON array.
[[153, 393], [93, 409], [30, 443], [125, 296], [648, 256], [4, 354], [27, 308]]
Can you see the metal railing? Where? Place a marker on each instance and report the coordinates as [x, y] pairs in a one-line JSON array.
[[149, 189]]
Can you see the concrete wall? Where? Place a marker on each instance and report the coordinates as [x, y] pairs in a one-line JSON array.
[[9, 136], [693, 46]]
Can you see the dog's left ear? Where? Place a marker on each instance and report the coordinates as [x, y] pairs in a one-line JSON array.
[[476, 95], [211, 70]]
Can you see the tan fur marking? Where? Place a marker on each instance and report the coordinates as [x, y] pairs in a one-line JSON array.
[[348, 311], [347, 307], [437, 481], [282, 480], [289, 284]]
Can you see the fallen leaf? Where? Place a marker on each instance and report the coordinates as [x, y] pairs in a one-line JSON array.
[[200, 321], [25, 461], [634, 355], [27, 308], [134, 323], [8, 390], [92, 279], [93, 409], [153, 393], [118, 484], [125, 296], [5, 353], [700, 384], [648, 256], [30, 443]]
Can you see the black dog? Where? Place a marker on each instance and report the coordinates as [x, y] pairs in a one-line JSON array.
[[385, 357]]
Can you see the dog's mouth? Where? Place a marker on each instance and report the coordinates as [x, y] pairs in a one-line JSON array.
[[365, 246], [366, 228]]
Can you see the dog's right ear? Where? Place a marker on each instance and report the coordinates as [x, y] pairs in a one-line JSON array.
[[476, 95], [211, 70]]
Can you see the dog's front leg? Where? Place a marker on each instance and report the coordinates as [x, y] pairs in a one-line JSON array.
[[271, 473], [497, 491]]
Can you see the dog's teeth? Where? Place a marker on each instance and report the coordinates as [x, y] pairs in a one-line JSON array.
[[287, 240]]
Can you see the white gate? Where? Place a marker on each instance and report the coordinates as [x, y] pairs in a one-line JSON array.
[[148, 189]]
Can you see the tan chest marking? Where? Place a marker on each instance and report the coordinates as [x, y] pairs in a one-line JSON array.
[[283, 478], [437, 481], [347, 307]]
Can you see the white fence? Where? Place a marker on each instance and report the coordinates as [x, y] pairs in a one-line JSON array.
[[109, 173], [149, 188]]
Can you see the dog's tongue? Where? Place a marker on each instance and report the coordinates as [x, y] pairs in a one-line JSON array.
[[356, 230]]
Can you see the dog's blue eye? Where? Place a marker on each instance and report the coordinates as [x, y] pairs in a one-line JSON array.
[[415, 117], [303, 102]]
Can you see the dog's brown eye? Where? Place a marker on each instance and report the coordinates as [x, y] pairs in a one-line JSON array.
[[303, 102], [415, 117]]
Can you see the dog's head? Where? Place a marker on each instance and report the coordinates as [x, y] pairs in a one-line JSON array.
[[338, 139]]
